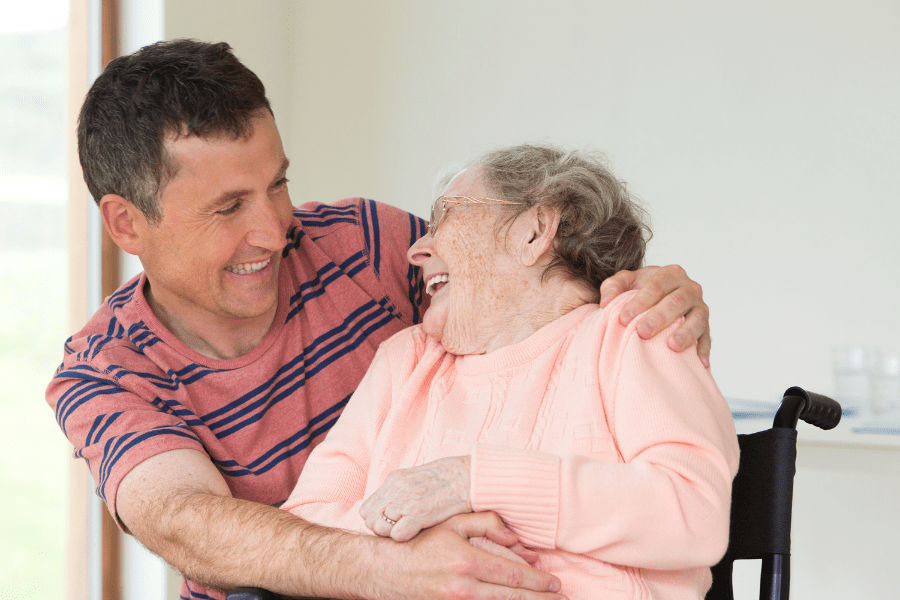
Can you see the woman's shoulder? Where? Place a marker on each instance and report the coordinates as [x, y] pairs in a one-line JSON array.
[[613, 310], [603, 331], [608, 317]]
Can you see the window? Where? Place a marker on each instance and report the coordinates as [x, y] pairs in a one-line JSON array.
[[33, 296]]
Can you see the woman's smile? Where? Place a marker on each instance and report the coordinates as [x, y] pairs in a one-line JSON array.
[[436, 283]]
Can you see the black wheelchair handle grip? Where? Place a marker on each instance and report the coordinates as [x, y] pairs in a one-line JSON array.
[[822, 411], [249, 593], [815, 409]]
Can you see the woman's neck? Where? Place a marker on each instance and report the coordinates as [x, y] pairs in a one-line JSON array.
[[551, 300]]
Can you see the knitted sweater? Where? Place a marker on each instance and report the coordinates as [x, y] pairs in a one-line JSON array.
[[609, 455]]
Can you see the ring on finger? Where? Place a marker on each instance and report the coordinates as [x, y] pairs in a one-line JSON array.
[[391, 521]]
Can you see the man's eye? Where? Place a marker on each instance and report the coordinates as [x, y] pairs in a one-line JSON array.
[[230, 210], [280, 183]]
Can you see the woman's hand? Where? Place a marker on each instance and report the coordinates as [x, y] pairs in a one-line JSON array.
[[667, 293], [413, 499]]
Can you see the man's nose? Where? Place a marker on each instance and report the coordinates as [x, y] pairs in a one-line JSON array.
[[268, 224]]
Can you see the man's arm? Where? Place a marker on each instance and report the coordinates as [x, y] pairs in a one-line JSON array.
[[667, 294], [177, 504]]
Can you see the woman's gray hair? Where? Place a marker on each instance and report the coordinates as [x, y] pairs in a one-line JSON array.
[[602, 230]]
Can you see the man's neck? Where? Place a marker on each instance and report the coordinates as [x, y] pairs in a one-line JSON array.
[[211, 335]]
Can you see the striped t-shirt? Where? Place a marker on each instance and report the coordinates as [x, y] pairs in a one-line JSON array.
[[128, 389]]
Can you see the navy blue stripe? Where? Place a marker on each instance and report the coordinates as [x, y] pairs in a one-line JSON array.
[[78, 394], [322, 276], [316, 287], [257, 416], [295, 380], [118, 446], [413, 273], [312, 223], [67, 347], [174, 380], [327, 209], [175, 408], [92, 391], [109, 420], [376, 235], [288, 453], [69, 393], [113, 331], [354, 325], [364, 224], [123, 295], [287, 448]]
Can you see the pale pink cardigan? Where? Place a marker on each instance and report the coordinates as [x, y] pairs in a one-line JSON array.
[[610, 455]]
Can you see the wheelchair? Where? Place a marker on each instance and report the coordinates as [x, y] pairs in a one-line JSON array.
[[762, 496], [761, 500]]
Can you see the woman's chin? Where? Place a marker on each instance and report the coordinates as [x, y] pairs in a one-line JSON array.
[[432, 327]]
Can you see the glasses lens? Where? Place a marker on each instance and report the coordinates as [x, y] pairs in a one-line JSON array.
[[437, 209]]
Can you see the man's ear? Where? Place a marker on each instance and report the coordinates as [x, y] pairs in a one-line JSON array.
[[542, 224], [124, 222]]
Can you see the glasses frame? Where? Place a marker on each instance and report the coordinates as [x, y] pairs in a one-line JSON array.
[[434, 224]]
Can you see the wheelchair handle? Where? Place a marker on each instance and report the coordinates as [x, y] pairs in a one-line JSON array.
[[250, 593], [815, 409]]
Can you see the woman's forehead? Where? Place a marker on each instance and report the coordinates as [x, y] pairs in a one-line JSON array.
[[467, 183]]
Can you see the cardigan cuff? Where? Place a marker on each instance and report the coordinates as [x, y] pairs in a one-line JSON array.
[[522, 487]]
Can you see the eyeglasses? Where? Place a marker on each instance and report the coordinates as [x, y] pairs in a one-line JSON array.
[[439, 208]]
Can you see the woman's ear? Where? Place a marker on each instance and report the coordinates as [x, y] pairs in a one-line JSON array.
[[124, 222], [542, 224]]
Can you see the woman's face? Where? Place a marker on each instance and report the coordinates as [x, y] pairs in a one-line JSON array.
[[473, 281]]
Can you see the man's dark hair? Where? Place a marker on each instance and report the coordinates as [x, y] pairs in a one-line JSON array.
[[165, 90]]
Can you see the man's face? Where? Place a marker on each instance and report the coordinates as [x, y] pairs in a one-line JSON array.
[[213, 258]]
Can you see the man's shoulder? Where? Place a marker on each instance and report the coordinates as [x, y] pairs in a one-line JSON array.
[[318, 218], [366, 222], [116, 334]]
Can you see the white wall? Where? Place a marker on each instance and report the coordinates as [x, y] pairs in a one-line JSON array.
[[763, 137]]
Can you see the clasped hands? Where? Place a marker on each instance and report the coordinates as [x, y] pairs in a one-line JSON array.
[[418, 498], [414, 499]]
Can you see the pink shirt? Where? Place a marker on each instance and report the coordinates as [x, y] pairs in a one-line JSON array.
[[610, 455]]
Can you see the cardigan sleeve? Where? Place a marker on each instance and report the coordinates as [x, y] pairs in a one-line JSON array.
[[666, 504]]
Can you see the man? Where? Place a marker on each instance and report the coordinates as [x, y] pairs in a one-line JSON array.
[[197, 391]]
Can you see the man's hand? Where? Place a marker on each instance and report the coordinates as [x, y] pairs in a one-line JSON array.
[[441, 563], [414, 499], [667, 294]]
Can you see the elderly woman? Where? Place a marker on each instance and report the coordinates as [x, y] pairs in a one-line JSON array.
[[610, 456]]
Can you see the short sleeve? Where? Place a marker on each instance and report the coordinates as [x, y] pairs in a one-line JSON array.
[[101, 408]]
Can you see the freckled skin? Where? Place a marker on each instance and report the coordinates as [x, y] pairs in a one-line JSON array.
[[491, 299]]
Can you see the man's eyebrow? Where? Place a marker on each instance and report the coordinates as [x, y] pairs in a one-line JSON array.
[[283, 170]]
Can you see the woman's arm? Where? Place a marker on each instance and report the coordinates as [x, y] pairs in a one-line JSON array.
[[666, 506]]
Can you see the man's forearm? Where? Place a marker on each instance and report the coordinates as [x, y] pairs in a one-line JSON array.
[[223, 542], [177, 504]]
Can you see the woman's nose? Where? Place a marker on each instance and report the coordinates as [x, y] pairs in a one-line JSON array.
[[421, 251]]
